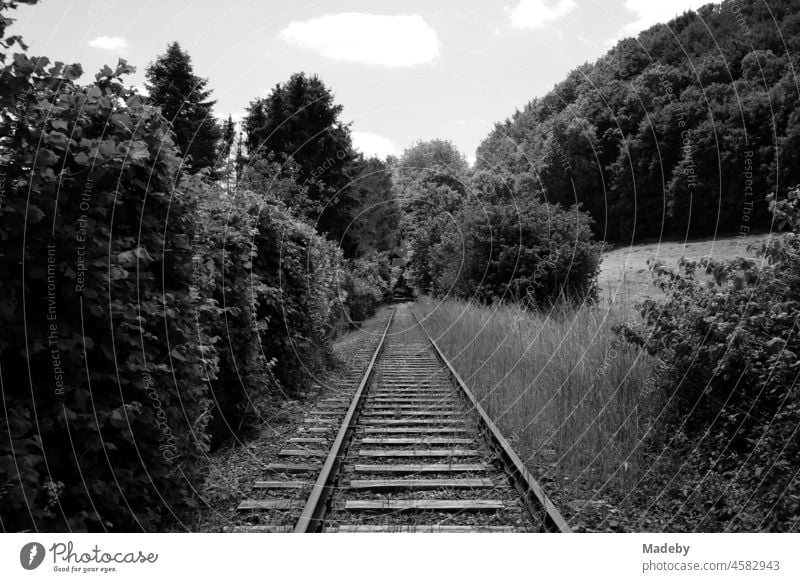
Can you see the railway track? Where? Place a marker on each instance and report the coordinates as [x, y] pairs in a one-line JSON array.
[[408, 450]]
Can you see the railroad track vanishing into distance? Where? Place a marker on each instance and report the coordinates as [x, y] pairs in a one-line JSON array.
[[407, 449]]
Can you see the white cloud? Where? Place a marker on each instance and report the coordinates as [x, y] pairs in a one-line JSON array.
[[372, 144], [650, 12], [538, 13], [390, 41], [109, 43]]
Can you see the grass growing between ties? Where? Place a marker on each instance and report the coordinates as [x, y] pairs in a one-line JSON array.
[[570, 397]]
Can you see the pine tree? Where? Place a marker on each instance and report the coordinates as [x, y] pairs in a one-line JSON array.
[[300, 120], [184, 101]]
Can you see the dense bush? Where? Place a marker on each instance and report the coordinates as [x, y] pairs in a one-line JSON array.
[[104, 368], [304, 306], [283, 293], [730, 370], [367, 285], [509, 245]]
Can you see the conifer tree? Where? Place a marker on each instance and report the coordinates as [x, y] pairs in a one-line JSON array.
[[184, 101]]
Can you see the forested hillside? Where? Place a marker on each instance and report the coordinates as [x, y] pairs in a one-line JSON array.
[[680, 131]]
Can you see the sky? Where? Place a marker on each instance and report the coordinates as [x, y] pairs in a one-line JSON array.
[[403, 70]]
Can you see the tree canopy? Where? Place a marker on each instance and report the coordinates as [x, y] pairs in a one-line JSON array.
[[678, 131]]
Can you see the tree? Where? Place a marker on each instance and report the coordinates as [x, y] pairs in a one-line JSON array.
[[228, 137], [184, 101], [299, 120], [668, 132], [375, 220], [430, 183]]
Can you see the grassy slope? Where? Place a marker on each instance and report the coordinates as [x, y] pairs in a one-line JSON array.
[[625, 278]]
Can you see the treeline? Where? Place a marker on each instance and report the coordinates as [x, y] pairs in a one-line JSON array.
[[680, 131], [161, 283]]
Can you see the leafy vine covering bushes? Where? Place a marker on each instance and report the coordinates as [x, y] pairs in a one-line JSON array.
[[104, 368], [730, 354], [144, 315]]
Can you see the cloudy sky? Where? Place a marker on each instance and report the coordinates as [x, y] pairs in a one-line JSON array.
[[403, 70]]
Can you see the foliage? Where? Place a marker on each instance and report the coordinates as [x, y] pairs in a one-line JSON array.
[[104, 368], [430, 184], [671, 132], [145, 314], [488, 238], [730, 369], [184, 101], [299, 120], [528, 251], [375, 225], [367, 284]]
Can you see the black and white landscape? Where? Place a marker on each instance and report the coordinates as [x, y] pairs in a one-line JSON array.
[[356, 266]]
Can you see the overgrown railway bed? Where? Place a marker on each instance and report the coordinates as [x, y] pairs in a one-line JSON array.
[[408, 449]]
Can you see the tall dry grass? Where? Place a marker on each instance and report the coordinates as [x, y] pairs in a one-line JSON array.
[[571, 398]]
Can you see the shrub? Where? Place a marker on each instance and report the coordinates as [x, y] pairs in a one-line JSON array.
[[275, 285], [104, 368], [367, 284], [224, 244], [524, 250], [302, 304], [729, 351]]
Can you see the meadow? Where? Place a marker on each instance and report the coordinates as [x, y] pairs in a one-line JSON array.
[[575, 401]]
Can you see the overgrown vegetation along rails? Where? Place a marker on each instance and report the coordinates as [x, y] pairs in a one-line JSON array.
[[147, 314], [698, 431], [730, 373], [572, 399]]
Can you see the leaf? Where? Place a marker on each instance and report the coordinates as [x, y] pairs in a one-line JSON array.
[[134, 101], [45, 157], [73, 72], [34, 214], [107, 148], [23, 64], [56, 69], [104, 73], [57, 140], [118, 418]]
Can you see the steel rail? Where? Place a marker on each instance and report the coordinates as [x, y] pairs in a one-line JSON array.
[[533, 494], [313, 511]]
